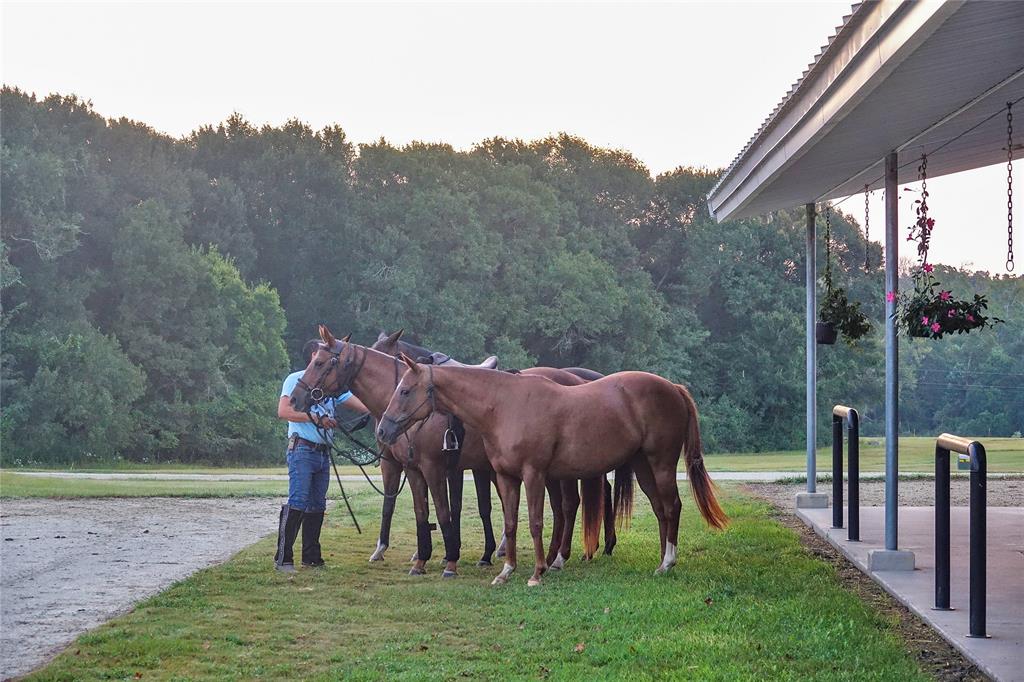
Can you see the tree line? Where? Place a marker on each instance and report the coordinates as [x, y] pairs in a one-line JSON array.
[[155, 291]]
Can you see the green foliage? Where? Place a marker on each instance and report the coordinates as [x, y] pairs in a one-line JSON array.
[[71, 405], [182, 270], [847, 317], [925, 313]]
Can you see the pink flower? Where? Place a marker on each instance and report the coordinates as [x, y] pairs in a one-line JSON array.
[[951, 313], [944, 295], [936, 327], [970, 318], [890, 296], [927, 267], [924, 321]]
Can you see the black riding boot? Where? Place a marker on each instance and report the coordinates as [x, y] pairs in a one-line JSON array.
[[311, 524], [287, 530]]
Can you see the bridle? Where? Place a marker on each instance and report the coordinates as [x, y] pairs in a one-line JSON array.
[[430, 397], [347, 370]]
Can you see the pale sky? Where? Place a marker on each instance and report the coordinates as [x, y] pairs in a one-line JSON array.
[[672, 83]]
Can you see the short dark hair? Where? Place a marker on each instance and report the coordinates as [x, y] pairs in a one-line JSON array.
[[309, 349]]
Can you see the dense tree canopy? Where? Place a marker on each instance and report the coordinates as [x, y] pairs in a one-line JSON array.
[[151, 286]]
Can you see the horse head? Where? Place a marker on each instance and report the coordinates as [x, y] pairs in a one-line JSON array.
[[412, 401], [329, 372]]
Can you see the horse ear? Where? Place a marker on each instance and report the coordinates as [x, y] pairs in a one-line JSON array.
[[382, 335], [394, 337], [409, 362], [347, 337], [326, 336]]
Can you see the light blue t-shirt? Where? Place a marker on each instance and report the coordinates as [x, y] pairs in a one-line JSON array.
[[326, 408]]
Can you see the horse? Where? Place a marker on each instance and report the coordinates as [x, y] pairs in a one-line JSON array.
[[564, 496], [534, 429], [371, 375]]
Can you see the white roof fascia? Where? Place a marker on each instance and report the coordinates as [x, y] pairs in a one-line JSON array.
[[884, 35]]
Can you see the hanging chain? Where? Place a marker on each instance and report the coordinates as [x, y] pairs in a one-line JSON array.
[[924, 224], [828, 247], [1009, 187], [867, 232]]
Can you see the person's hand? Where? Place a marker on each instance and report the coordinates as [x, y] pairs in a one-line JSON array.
[[324, 422]]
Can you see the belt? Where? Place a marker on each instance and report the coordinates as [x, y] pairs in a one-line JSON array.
[[323, 447]]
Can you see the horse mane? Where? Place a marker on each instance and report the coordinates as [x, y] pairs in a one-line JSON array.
[[413, 350]]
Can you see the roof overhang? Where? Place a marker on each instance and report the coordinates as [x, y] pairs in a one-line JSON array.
[[905, 76]]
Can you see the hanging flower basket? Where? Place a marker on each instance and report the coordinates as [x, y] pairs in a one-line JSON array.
[[930, 312], [825, 333], [838, 314]]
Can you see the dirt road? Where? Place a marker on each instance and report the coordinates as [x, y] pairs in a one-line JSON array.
[[69, 565]]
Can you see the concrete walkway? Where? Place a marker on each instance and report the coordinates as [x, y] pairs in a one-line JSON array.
[[1001, 656]]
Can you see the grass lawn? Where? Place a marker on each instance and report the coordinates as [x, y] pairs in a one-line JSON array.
[[746, 604], [916, 454]]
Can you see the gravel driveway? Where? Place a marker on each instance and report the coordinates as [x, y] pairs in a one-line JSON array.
[[69, 565], [1000, 492]]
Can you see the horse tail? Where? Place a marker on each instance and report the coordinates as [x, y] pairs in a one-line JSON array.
[[623, 495], [592, 501], [700, 482]]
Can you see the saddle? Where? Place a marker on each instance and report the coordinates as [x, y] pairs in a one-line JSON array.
[[442, 359]]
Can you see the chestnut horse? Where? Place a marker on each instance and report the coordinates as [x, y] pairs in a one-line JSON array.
[[338, 366], [534, 429], [564, 496]]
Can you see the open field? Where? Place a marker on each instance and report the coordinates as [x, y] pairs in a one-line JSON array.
[[916, 454], [1005, 455], [750, 603]]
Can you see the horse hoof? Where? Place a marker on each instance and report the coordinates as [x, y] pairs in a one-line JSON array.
[[378, 554], [499, 580], [417, 571], [533, 582], [449, 574], [558, 563], [484, 562]]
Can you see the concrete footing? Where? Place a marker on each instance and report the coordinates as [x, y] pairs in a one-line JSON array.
[[890, 560], [812, 500]]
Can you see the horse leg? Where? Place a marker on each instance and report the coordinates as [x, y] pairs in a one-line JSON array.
[[555, 499], [645, 477], [668, 491], [482, 481], [504, 539], [570, 507], [424, 545], [437, 482], [610, 537], [534, 482], [391, 472], [455, 485], [508, 488]]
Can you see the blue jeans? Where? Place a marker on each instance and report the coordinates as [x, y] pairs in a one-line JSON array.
[[309, 474]]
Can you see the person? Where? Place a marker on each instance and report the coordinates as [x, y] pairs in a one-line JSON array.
[[309, 468]]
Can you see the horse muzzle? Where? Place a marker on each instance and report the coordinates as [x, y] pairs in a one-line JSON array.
[[389, 430]]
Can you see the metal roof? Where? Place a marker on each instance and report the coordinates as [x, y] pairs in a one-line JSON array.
[[917, 77]]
